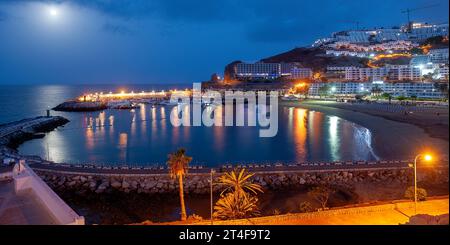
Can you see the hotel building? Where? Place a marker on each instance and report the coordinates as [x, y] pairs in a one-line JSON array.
[[261, 71], [439, 56], [421, 90]]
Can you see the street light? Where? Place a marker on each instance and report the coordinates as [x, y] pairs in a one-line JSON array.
[[426, 157], [211, 190]]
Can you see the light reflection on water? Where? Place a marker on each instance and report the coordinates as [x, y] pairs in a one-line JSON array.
[[145, 135]]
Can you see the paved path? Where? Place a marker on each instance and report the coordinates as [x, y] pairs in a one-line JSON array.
[[313, 167], [386, 214]]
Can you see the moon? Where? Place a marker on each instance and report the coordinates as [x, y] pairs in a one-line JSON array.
[[53, 12]]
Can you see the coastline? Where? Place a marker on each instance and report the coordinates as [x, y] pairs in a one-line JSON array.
[[410, 138]]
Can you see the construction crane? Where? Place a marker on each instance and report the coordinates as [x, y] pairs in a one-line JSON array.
[[408, 12]]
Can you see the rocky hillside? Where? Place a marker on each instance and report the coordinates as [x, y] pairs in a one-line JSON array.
[[315, 58]]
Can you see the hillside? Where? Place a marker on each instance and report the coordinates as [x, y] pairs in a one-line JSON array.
[[315, 58]]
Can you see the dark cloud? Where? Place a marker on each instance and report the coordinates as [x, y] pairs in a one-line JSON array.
[[278, 21], [177, 40]]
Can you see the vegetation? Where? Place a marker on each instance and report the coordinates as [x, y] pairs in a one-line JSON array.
[[376, 91], [236, 205], [387, 96], [421, 194], [401, 98], [305, 207], [178, 164], [321, 194], [239, 182], [443, 88], [238, 199]]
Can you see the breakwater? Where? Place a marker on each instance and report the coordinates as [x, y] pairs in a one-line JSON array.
[[199, 183], [14, 133]]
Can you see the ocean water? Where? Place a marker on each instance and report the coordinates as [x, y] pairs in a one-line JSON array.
[[145, 136]]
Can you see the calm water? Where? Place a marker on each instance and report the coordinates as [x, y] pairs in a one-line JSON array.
[[145, 136]]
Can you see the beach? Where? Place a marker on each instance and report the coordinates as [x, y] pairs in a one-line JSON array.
[[394, 135]]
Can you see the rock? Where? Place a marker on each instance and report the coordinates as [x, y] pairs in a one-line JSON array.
[[71, 183], [125, 184], [116, 184], [302, 181]]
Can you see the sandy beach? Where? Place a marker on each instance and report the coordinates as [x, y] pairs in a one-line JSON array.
[[394, 135]]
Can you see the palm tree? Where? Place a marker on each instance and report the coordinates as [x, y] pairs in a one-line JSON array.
[[178, 164], [237, 202], [239, 182], [236, 205]]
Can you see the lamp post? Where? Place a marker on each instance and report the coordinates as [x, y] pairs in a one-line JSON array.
[[211, 192], [426, 157]]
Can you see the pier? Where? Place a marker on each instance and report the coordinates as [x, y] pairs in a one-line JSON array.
[[19, 131]]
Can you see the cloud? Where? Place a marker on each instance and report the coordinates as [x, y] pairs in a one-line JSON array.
[[263, 21], [117, 29]]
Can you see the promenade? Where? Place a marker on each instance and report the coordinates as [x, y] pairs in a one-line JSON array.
[[394, 213]]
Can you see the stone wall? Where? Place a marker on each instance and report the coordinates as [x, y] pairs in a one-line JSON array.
[[199, 183]]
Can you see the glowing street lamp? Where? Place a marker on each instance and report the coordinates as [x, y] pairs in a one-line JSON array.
[[426, 157]]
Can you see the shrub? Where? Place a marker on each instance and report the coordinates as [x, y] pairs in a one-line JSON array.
[[421, 194], [305, 207], [276, 212], [321, 194]]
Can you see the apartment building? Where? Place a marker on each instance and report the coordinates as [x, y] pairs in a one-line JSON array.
[[420, 90], [366, 74], [439, 56], [404, 73], [261, 71], [257, 70]]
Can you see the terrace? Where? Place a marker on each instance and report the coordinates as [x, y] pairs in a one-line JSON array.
[[26, 200]]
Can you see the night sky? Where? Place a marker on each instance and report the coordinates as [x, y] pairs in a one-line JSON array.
[[172, 41]]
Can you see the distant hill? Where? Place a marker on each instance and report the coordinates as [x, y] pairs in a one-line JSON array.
[[315, 58]]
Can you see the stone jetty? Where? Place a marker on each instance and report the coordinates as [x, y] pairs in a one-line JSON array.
[[14, 133], [81, 106]]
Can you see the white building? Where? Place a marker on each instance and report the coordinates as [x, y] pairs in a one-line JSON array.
[[368, 36], [398, 45], [366, 74], [419, 60], [418, 32], [301, 73], [423, 31], [421, 90], [346, 53], [404, 72], [257, 70], [390, 72], [260, 70], [439, 56], [442, 73]]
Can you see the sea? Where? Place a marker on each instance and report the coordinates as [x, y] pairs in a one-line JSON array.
[[145, 136]]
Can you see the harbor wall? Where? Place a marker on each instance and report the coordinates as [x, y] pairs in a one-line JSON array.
[[199, 183]]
